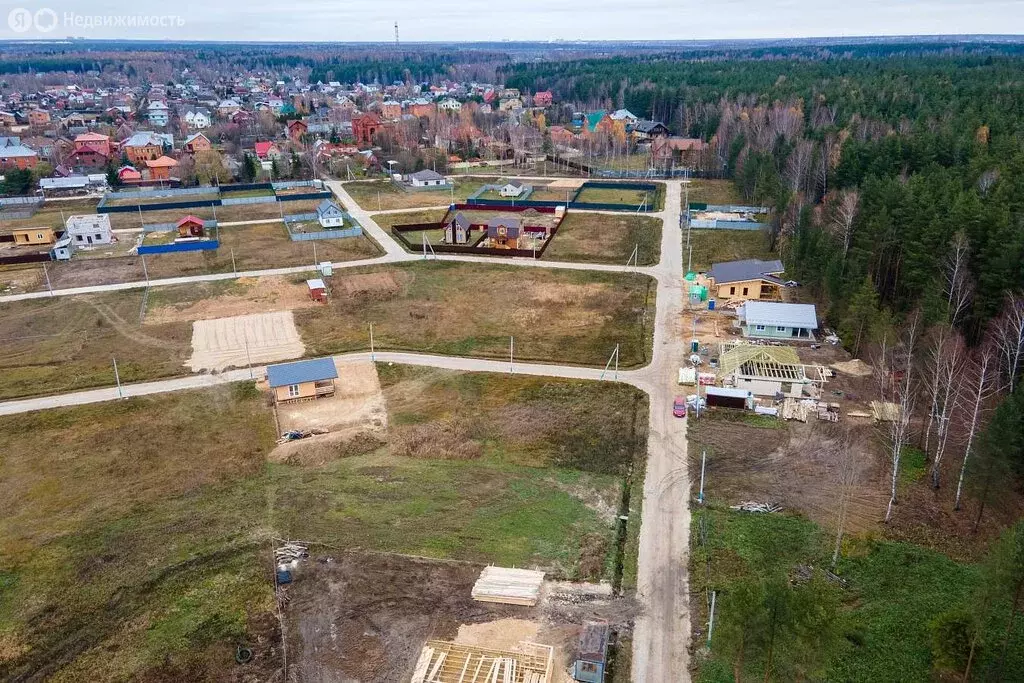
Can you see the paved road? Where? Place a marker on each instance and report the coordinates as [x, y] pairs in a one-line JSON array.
[[200, 381], [663, 626]]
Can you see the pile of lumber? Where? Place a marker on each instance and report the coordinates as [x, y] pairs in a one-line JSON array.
[[885, 412], [508, 586], [752, 506]]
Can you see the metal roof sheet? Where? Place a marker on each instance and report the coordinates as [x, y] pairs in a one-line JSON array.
[[739, 271], [783, 315], [301, 371]]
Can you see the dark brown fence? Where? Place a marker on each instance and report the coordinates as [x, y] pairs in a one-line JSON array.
[[474, 249]]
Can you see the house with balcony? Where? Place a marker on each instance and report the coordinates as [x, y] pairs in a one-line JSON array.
[[304, 380]]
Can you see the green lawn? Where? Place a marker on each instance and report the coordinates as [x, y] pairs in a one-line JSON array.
[[634, 198], [136, 534], [716, 246], [604, 238]]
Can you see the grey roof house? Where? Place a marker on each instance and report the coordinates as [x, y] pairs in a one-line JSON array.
[[775, 320]]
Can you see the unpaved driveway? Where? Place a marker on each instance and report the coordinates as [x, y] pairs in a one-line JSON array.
[[244, 339]]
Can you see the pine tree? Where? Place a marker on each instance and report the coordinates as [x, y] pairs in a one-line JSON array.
[[861, 316]]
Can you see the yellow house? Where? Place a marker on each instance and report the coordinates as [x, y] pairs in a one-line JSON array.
[[23, 236], [748, 280], [303, 380]]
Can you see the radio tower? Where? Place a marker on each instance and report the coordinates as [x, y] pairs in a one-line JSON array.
[[396, 34]]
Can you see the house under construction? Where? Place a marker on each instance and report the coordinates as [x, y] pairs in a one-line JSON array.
[[770, 371], [446, 662]]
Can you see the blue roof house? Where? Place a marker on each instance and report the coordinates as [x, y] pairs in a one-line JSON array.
[[303, 380]]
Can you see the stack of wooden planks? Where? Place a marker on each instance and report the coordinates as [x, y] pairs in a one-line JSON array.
[[508, 586], [446, 662]]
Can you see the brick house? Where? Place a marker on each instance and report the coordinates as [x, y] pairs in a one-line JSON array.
[[296, 129], [142, 147], [161, 168], [365, 127], [542, 98], [38, 117], [391, 110], [17, 155], [197, 143]]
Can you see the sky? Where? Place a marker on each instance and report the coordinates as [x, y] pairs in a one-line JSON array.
[[471, 20]]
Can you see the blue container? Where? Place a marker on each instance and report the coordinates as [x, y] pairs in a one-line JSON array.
[[711, 304]]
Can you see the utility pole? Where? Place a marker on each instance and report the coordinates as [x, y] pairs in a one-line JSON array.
[[703, 460], [711, 617], [145, 271], [117, 379], [511, 354], [46, 274], [373, 355], [314, 254], [233, 269], [248, 359]]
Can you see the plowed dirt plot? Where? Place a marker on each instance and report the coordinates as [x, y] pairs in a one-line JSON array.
[[223, 343], [364, 617]]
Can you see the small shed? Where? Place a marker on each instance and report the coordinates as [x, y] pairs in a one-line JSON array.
[[302, 380], [190, 226], [724, 397], [457, 230], [23, 236], [63, 249], [317, 290], [593, 652]]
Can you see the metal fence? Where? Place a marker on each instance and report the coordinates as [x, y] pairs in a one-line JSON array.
[[715, 224], [167, 227], [340, 233], [202, 245], [235, 201], [475, 249]]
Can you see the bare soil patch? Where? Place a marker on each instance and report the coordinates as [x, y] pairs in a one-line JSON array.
[[223, 343], [383, 283], [364, 617], [247, 296], [355, 418]]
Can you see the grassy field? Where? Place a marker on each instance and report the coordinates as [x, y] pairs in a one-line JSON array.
[[894, 591], [602, 195], [137, 533], [715, 246], [393, 197], [53, 214], [604, 238], [253, 247], [68, 343], [223, 214], [128, 200], [714, 192], [472, 309]]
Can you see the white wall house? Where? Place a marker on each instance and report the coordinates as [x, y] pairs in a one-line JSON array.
[[329, 215], [158, 113], [89, 229], [427, 178]]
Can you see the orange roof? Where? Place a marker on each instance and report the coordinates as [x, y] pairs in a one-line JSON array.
[[164, 161], [91, 137]]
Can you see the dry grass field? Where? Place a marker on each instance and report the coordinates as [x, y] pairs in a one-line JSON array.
[[604, 238], [366, 193], [137, 534], [473, 309]]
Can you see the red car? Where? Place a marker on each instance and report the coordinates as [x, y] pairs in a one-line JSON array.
[[679, 407]]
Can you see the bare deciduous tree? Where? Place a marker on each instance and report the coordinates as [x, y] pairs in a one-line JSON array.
[[899, 428], [844, 214], [847, 474], [981, 388], [1008, 337], [959, 288], [987, 180], [945, 378]]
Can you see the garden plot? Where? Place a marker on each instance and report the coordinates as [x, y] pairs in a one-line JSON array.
[[223, 343]]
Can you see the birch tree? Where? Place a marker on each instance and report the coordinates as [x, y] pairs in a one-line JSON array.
[[899, 428], [1008, 332], [945, 379], [959, 288], [846, 475], [981, 387], [843, 216]]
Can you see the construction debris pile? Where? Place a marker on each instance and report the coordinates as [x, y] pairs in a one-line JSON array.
[[793, 409], [508, 586], [751, 506]]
